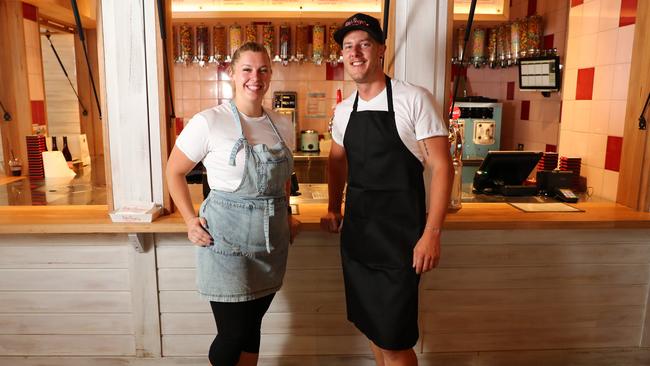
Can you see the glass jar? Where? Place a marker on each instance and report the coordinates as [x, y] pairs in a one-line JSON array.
[[285, 44], [535, 32], [492, 58], [268, 38], [202, 45], [302, 39], [318, 44], [515, 40], [219, 44], [234, 39], [460, 45], [334, 49], [251, 33], [186, 37], [478, 47]]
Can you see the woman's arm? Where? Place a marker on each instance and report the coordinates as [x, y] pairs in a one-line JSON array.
[[177, 168]]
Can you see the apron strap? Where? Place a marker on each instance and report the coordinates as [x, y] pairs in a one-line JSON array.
[[389, 96], [241, 140]]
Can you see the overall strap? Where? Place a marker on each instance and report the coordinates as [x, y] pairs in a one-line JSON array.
[[241, 140]]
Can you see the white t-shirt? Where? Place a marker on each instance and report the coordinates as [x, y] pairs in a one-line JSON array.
[[415, 114], [211, 135]]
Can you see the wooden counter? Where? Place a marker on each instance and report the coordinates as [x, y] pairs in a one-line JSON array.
[[473, 216], [75, 290]]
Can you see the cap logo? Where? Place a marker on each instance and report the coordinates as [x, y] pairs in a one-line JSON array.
[[355, 21]]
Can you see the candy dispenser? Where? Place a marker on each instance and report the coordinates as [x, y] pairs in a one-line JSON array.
[[202, 45], [514, 41], [302, 39], [268, 38], [335, 55], [492, 58], [186, 38], [284, 44], [478, 47], [318, 44], [219, 44], [234, 39], [459, 46], [534, 31], [524, 40], [176, 45], [503, 44], [251, 33]]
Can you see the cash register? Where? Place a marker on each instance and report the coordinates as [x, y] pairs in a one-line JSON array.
[[504, 172]]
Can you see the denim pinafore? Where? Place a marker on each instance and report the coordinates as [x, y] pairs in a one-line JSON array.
[[249, 226]]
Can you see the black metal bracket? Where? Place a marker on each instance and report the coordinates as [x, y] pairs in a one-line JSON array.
[[642, 122]]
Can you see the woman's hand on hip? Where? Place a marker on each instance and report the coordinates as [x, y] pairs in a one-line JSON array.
[[197, 232]]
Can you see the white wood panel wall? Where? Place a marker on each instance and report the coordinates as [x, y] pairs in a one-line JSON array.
[[65, 295], [134, 100], [62, 106], [93, 296]]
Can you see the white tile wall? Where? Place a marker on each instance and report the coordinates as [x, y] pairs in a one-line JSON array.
[[600, 117], [603, 82], [616, 118], [606, 47], [624, 44], [609, 14], [621, 81]]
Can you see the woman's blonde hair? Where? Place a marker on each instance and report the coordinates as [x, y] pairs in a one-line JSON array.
[[248, 46]]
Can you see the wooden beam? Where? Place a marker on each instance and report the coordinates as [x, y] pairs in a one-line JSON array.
[[61, 11], [14, 92], [634, 177]]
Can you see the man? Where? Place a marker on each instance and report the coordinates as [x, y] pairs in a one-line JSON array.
[[383, 135]]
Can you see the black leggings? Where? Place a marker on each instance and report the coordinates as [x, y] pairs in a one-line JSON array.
[[238, 329]]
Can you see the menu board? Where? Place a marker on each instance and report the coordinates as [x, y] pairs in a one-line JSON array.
[[540, 73], [367, 6]]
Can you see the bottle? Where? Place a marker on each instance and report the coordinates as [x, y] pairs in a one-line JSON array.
[[66, 151], [54, 148]]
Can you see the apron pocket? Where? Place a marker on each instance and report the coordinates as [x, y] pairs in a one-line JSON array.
[[272, 175], [228, 224]]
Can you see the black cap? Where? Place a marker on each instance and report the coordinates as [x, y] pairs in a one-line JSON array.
[[362, 22]]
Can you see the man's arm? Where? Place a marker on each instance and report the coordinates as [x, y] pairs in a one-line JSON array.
[[337, 170], [437, 158]]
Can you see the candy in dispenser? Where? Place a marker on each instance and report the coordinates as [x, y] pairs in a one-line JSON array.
[[318, 44], [514, 41], [219, 47], [478, 47], [534, 31], [268, 38], [234, 39], [186, 38], [284, 44], [251, 33], [177, 45], [503, 44], [202, 45], [335, 55], [524, 40], [492, 58], [302, 39]]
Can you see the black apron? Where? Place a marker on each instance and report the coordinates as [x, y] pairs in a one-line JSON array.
[[384, 219]]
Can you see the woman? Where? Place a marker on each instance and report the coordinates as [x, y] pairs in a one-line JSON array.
[[243, 229]]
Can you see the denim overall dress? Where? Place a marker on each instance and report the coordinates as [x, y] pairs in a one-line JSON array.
[[249, 226]]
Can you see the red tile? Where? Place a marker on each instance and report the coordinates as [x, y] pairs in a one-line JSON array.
[[525, 110], [585, 84], [550, 148], [628, 12], [38, 112], [532, 7], [178, 125], [30, 12], [576, 2], [457, 70], [510, 91], [548, 41], [334, 73], [613, 153]]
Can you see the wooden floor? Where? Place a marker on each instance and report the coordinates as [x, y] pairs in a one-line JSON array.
[[618, 357]]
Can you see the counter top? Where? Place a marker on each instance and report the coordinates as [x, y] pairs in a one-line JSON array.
[[472, 216]]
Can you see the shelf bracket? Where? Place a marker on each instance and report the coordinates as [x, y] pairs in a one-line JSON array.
[[137, 241]]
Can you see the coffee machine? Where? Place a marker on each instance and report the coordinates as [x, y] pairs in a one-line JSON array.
[[285, 102]]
